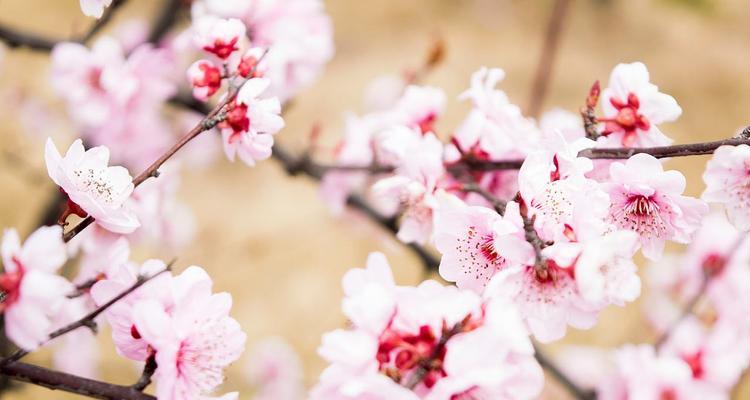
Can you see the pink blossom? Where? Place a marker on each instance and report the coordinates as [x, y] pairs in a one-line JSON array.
[[727, 179], [205, 78], [297, 33], [94, 8], [128, 341], [605, 272], [485, 352], [33, 292], [419, 168], [370, 294], [547, 302], [218, 36], [633, 107], [556, 192], [194, 340], [495, 127], [251, 123], [648, 201], [93, 187], [476, 242], [275, 369], [641, 374], [419, 107], [716, 356], [111, 97]]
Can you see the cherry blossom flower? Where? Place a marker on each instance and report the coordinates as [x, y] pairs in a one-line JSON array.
[[716, 356], [111, 96], [547, 301], [297, 33], [33, 293], [476, 242], [475, 347], [555, 190], [495, 127], [94, 8], [92, 187], [633, 107], [419, 107], [251, 123], [642, 374], [194, 340], [727, 177], [419, 168], [648, 201], [605, 272], [125, 335], [218, 36], [275, 369], [205, 78]]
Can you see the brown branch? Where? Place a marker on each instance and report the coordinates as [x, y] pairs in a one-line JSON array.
[[577, 392], [103, 21], [166, 19], [56, 380], [216, 115], [14, 38], [620, 153], [304, 165], [148, 372], [678, 150], [547, 58], [88, 320]]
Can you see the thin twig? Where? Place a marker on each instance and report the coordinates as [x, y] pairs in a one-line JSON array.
[[88, 320], [103, 21], [166, 19], [678, 150], [214, 117], [620, 153], [148, 372], [547, 58], [14, 38], [56, 380], [578, 392]]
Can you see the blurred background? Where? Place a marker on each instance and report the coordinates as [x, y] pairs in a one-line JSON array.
[[270, 241]]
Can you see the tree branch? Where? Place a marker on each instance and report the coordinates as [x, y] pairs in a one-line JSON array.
[[14, 38], [561, 377], [88, 320], [148, 372], [678, 150], [215, 116], [56, 380], [547, 58], [165, 20]]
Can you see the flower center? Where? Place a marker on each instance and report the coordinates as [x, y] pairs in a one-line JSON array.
[[95, 183], [642, 215], [627, 120], [399, 353]]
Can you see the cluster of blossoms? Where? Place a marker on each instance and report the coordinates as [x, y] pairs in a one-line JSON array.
[[535, 234], [115, 92], [251, 121], [555, 239], [425, 342]]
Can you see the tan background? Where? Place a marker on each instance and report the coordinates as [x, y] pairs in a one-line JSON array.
[[270, 241]]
